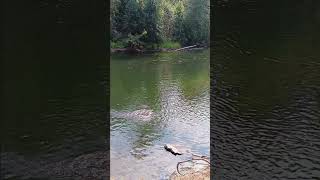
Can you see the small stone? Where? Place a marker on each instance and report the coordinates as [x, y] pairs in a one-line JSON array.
[[172, 149]]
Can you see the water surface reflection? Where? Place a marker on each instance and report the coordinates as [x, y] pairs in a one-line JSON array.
[[176, 87]]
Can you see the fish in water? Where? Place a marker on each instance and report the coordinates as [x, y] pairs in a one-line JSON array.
[[141, 114]]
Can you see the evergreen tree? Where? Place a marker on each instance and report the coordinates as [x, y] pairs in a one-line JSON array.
[[151, 22], [129, 17], [166, 19], [197, 21], [179, 28]]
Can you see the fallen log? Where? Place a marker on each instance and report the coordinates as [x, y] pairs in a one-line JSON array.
[[129, 50], [188, 47], [134, 50]]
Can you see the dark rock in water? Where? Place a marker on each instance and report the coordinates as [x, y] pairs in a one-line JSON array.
[[172, 149]]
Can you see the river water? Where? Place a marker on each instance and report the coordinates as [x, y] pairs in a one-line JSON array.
[[265, 84], [266, 90], [55, 119], [175, 86]]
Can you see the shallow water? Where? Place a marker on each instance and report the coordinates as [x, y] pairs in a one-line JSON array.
[[175, 86], [266, 91]]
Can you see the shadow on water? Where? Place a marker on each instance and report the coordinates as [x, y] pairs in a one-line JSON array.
[[265, 90]]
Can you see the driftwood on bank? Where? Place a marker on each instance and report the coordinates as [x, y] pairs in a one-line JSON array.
[[128, 50], [188, 47], [135, 50]]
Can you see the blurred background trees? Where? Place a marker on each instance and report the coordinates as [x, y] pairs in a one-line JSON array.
[[159, 23]]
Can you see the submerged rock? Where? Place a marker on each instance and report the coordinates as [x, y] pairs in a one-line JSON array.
[[171, 148], [140, 115]]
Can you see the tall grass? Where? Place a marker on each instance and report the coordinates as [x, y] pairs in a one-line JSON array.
[[117, 44], [170, 45]]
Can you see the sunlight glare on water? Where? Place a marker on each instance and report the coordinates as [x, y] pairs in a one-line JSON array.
[[176, 87]]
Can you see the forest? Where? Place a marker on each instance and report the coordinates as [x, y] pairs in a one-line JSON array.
[[153, 24]]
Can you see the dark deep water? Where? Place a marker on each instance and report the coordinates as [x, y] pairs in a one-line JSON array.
[[266, 90], [55, 122], [54, 91]]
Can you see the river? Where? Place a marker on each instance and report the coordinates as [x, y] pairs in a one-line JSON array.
[[55, 119], [266, 90], [175, 86]]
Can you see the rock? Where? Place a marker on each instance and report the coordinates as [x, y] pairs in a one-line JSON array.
[[192, 175], [139, 115], [197, 168], [172, 149]]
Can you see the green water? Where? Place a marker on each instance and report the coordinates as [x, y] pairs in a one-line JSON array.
[[175, 86]]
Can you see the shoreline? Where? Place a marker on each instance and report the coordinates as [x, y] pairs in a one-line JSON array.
[[145, 51]]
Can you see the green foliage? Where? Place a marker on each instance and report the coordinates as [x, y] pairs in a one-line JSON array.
[[160, 21], [151, 46], [179, 26], [134, 41], [170, 45], [151, 22], [117, 44], [166, 20], [128, 17], [197, 21]]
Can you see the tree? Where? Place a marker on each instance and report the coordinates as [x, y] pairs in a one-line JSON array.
[[179, 28], [197, 21], [166, 23], [184, 21], [113, 10], [129, 18], [151, 22]]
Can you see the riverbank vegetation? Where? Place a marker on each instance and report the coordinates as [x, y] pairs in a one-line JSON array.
[[156, 24]]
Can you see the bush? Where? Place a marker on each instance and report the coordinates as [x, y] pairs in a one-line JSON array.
[[117, 44], [170, 45]]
